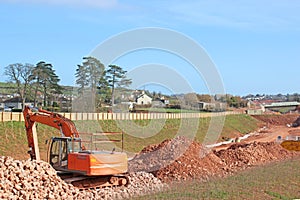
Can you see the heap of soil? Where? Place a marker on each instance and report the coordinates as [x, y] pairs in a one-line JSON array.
[[243, 155], [197, 162], [157, 156], [277, 120]]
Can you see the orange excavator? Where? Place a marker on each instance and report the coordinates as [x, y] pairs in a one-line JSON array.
[[66, 154]]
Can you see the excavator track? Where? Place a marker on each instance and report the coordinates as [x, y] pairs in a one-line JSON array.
[[87, 182]]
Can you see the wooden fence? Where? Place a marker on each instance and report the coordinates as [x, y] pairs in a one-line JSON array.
[[18, 116]]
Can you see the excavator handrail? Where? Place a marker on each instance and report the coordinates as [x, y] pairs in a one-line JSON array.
[[94, 140]]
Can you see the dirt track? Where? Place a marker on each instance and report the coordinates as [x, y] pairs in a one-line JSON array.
[[272, 127], [271, 134], [275, 125]]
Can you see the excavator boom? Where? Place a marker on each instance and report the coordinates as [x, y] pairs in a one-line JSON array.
[[65, 125]]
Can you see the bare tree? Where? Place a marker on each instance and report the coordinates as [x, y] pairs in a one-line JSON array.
[[20, 75]]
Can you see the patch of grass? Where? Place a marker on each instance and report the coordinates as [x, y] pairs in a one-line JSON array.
[[241, 123], [276, 195], [274, 181], [13, 139]]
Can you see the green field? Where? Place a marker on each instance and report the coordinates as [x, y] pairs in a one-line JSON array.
[[138, 133], [13, 140], [273, 181]]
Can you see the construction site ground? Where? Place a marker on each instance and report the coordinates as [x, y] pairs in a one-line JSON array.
[[180, 160]]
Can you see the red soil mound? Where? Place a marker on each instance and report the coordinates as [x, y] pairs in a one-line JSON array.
[[167, 162]]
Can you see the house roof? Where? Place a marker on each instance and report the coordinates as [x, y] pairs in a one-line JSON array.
[[282, 104], [142, 95]]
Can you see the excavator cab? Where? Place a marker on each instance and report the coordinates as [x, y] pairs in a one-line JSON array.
[[58, 150]]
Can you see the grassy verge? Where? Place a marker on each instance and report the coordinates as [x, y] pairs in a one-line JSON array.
[[138, 133], [13, 140], [273, 181]]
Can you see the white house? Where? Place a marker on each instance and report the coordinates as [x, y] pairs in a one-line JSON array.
[[1, 105], [215, 106], [143, 99]]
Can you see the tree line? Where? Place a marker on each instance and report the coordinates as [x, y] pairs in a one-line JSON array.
[[91, 75], [96, 86]]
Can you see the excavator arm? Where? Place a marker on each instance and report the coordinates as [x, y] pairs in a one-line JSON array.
[[65, 125]]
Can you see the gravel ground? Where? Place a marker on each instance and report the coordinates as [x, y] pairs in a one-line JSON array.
[[38, 180]]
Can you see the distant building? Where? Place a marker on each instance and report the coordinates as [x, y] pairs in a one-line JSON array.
[[143, 99], [255, 111], [16, 103], [65, 104], [215, 106], [160, 102], [1, 105], [282, 104], [282, 107]]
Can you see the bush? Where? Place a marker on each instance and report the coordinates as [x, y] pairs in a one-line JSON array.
[[16, 110], [174, 106]]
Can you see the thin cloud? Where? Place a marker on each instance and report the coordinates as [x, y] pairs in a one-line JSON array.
[[239, 14], [77, 3]]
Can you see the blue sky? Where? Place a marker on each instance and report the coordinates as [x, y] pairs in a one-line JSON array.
[[254, 44]]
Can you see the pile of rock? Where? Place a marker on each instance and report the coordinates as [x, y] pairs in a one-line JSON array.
[[38, 180], [140, 183], [177, 159], [244, 155], [199, 163], [157, 156], [32, 180]]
